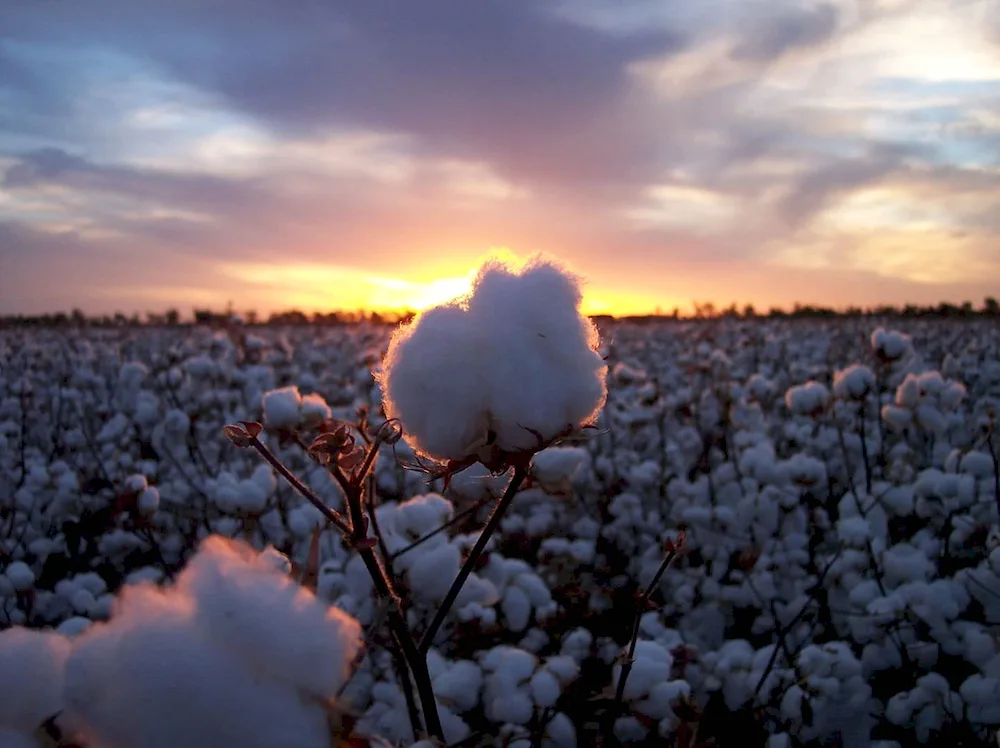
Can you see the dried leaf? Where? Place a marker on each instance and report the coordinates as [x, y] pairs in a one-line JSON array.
[[237, 436]]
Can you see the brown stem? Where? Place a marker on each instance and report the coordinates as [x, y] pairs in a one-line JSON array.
[[415, 659], [640, 608], [492, 523], [335, 517]]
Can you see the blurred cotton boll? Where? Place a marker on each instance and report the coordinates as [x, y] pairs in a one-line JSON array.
[[234, 654], [510, 367]]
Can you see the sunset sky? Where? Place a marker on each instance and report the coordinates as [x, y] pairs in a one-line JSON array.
[[326, 154]]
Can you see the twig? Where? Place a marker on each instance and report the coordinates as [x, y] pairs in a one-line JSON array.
[[673, 552], [520, 473], [335, 518], [450, 523]]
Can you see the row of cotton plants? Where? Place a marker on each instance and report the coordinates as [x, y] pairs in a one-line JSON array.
[[776, 532]]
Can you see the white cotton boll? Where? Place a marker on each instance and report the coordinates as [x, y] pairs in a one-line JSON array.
[[545, 689], [897, 418], [433, 386], [651, 665], [556, 467], [853, 530], [513, 707], [148, 502], [74, 626], [516, 608], [514, 357], [460, 685], [952, 395], [890, 346], [930, 418], [281, 407], [908, 393], [630, 730], [276, 625], [434, 571], [20, 576], [853, 383], [314, 410], [978, 464], [809, 399], [559, 732], [32, 664], [152, 677]]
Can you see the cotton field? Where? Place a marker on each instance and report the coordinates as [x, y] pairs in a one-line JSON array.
[[806, 512]]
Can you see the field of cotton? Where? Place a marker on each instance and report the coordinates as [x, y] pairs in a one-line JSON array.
[[830, 491]]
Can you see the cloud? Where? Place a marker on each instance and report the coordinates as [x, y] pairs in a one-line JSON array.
[[673, 138]]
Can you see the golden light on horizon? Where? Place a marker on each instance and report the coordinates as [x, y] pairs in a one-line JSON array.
[[316, 287]]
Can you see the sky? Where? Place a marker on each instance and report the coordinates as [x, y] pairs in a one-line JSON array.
[[343, 154]]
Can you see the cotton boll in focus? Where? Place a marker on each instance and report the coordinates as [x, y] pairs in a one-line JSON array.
[[512, 365], [31, 687]]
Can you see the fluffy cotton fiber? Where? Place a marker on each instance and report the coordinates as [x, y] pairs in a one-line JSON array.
[[235, 654], [514, 357], [31, 686]]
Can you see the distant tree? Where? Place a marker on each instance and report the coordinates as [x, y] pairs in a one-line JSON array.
[[991, 306], [749, 312], [172, 317], [252, 317]]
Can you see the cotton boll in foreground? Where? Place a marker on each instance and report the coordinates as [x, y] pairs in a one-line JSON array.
[[509, 368], [154, 678], [276, 625], [235, 654]]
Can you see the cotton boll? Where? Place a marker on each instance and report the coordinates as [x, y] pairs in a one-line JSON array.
[[31, 688], [559, 732], [434, 571], [279, 627], [890, 346], [133, 682], [314, 410], [516, 608], [545, 689], [555, 468], [281, 407], [148, 502], [74, 626], [853, 383], [20, 576], [514, 358], [434, 385], [460, 685], [809, 399]]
